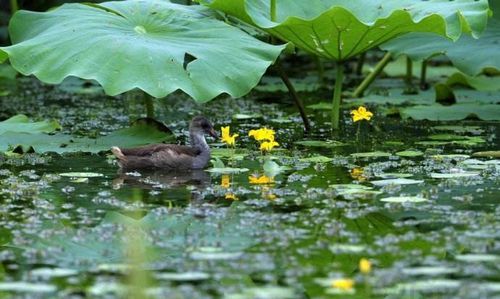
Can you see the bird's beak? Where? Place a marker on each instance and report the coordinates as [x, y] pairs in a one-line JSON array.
[[213, 133]]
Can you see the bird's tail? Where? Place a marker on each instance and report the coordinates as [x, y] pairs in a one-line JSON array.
[[118, 153]]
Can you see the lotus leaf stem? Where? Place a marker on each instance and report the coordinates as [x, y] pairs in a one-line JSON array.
[[14, 6], [361, 63], [423, 76], [372, 76], [273, 10], [409, 72], [294, 95], [337, 97]]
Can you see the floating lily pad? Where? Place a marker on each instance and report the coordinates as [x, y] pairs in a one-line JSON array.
[[184, 276], [264, 292], [241, 116], [228, 170], [272, 169], [403, 199], [394, 175], [53, 272], [409, 153], [27, 287], [237, 154], [321, 106], [21, 124], [437, 112], [430, 271], [454, 175], [488, 154], [347, 248], [477, 258], [431, 286], [317, 159], [320, 143], [137, 135], [399, 181], [371, 155], [81, 174], [460, 129]]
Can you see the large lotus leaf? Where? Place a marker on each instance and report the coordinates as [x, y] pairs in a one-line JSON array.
[[156, 46], [139, 134], [419, 46], [340, 29]]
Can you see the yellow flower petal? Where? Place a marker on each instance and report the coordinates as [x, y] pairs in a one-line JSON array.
[[343, 284], [260, 180], [268, 145], [231, 196], [365, 266], [360, 114], [226, 136], [225, 181]]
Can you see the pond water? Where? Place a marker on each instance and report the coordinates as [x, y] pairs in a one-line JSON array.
[[415, 203]]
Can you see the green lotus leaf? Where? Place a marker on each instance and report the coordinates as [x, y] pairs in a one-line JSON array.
[[21, 124], [137, 135], [419, 46], [439, 112], [340, 29], [156, 46]]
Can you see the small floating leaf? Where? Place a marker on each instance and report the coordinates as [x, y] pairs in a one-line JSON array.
[[371, 155], [429, 271], [410, 153], [320, 143], [227, 170], [27, 287], [398, 181], [53, 272], [81, 174], [476, 258], [317, 159], [454, 175], [489, 154], [184, 276], [402, 199]]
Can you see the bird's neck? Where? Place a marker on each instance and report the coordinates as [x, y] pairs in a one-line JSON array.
[[197, 139]]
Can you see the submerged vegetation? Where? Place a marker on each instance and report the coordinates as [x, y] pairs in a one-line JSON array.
[[401, 201]]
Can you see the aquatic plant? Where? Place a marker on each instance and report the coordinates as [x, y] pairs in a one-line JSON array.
[[226, 137], [365, 266], [266, 138], [155, 46], [341, 29], [360, 114]]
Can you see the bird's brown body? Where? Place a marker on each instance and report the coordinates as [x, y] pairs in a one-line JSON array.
[[170, 156]]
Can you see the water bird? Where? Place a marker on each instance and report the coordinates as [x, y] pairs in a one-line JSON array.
[[171, 156]]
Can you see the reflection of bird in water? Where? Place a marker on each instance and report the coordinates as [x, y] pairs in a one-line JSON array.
[[170, 156], [162, 179]]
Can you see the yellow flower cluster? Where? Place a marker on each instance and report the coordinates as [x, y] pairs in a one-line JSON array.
[[343, 284], [227, 137], [260, 180], [266, 138], [360, 114]]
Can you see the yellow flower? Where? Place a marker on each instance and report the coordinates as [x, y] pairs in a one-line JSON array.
[[357, 173], [343, 284], [262, 134], [231, 196], [361, 114], [365, 266], [267, 146], [260, 180], [227, 138], [225, 181]]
